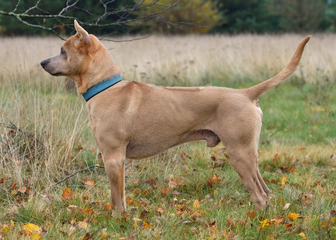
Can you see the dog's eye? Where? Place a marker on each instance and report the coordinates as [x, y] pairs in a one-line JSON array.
[[63, 51]]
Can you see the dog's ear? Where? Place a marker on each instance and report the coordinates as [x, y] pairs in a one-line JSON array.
[[82, 33]]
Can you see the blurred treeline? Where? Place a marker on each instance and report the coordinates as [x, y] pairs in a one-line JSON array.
[[189, 16]]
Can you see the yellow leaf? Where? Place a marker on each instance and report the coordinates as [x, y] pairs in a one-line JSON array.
[[293, 216], [147, 225], [196, 204], [103, 235], [12, 223], [35, 236], [6, 229], [31, 227], [303, 235], [265, 223], [283, 180]]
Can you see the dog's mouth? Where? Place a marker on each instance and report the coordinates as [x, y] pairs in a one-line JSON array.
[[57, 74]]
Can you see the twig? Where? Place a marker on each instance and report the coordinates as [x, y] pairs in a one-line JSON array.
[[74, 173], [12, 126], [125, 15]]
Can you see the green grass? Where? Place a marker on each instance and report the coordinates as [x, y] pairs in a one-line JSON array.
[[297, 143]]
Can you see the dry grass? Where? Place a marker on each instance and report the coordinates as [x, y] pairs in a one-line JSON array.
[[186, 59], [51, 139]]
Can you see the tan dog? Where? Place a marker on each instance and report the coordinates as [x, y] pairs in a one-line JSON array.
[[137, 120]]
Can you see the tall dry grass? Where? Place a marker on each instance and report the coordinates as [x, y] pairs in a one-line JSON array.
[[185, 60]]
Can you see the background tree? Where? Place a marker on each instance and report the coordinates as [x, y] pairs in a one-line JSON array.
[[246, 16], [300, 15], [189, 16]]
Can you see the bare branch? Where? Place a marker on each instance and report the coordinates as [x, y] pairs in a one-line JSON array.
[[74, 173], [18, 3], [125, 40], [125, 16]]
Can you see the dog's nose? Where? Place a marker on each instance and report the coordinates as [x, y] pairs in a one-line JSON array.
[[43, 63]]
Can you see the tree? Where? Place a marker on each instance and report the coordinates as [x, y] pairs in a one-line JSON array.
[[57, 16], [329, 21], [299, 15], [189, 16], [246, 16]]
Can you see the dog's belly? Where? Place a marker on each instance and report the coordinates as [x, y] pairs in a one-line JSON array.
[[143, 149]]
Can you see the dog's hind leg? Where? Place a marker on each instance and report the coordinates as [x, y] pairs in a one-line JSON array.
[[115, 169], [240, 136], [244, 160]]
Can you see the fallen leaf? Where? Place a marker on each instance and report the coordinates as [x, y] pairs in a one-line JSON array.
[[79, 148], [165, 191], [160, 210], [293, 216], [288, 225], [35, 236], [22, 189], [129, 201], [283, 181], [265, 223], [103, 235], [82, 225], [88, 210], [87, 236], [251, 214], [286, 206], [196, 204], [276, 157], [89, 183], [31, 227], [215, 178], [67, 194], [34, 231], [146, 225], [151, 182], [302, 235]]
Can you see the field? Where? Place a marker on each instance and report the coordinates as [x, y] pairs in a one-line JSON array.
[[187, 192]]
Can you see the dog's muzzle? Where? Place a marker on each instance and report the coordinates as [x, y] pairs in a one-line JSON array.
[[44, 63]]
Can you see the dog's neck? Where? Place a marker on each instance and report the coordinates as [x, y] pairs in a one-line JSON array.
[[101, 67]]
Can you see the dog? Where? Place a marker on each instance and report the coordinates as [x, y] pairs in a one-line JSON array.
[[135, 120]]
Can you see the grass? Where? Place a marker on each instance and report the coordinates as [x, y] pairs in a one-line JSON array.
[[190, 191]]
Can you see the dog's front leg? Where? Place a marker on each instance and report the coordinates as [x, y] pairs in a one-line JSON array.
[[115, 169]]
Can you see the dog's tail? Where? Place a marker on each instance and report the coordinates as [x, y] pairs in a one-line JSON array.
[[255, 91]]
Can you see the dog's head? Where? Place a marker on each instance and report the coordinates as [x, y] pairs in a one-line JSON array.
[[83, 58]]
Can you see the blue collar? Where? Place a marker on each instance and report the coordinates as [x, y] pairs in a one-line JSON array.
[[94, 90]]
